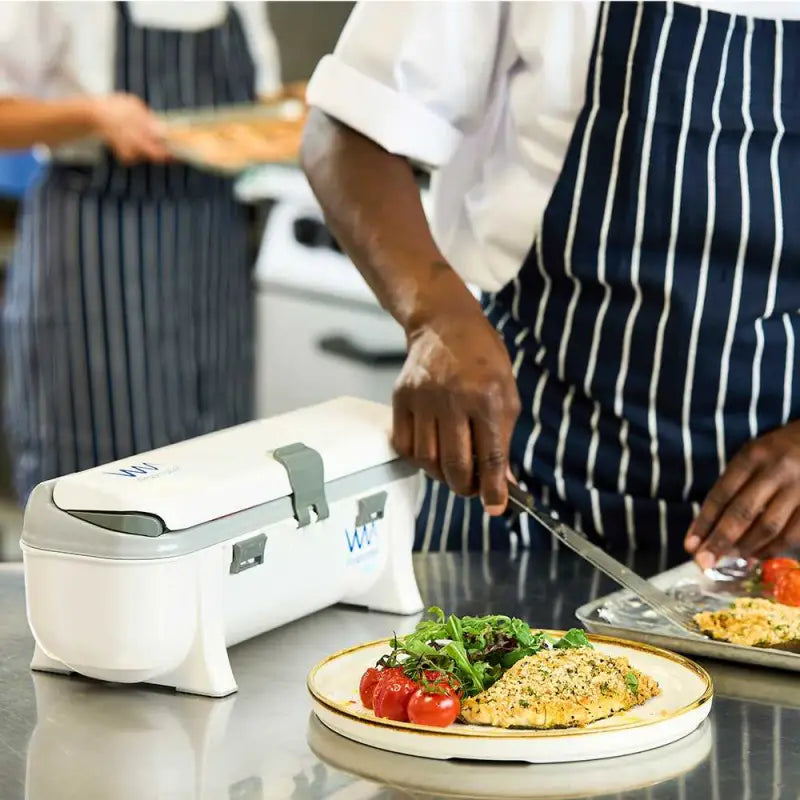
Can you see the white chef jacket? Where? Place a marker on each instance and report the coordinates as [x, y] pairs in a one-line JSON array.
[[487, 93], [60, 49]]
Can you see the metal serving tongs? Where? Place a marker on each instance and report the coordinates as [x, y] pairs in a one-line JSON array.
[[659, 601]]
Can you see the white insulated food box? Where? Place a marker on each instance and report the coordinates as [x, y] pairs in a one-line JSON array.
[[148, 569]]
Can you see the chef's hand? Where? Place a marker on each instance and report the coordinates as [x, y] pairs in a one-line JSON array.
[[456, 403], [456, 400], [130, 128], [754, 508]]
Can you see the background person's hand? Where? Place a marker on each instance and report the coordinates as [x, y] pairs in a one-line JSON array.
[[456, 403], [754, 508], [130, 128]]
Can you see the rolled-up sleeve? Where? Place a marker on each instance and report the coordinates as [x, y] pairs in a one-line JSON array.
[[413, 77]]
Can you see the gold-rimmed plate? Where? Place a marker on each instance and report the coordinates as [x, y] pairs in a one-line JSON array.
[[684, 702]]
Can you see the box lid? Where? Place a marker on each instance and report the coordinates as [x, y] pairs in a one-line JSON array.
[[193, 482]]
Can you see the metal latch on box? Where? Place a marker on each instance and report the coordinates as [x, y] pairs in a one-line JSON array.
[[307, 479]]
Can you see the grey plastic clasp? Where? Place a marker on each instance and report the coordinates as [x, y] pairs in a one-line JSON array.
[[307, 478], [371, 509], [248, 554]]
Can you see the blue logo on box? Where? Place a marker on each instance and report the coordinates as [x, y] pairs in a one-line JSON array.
[[363, 539], [362, 546]]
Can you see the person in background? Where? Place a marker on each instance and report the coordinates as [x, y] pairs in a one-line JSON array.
[[127, 319], [623, 180]]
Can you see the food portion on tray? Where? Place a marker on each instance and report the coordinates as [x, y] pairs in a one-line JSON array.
[[497, 671], [753, 622], [768, 615], [234, 139], [226, 139], [237, 145]]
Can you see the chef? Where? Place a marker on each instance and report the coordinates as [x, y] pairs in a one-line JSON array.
[[127, 318], [623, 182]]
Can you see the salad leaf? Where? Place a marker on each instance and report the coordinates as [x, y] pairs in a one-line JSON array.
[[487, 672], [523, 634], [420, 649], [455, 629], [575, 637], [509, 659], [459, 655]]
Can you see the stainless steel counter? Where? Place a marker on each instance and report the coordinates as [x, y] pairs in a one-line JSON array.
[[65, 738]]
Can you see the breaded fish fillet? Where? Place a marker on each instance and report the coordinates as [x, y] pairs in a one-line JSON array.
[[560, 689], [755, 622]]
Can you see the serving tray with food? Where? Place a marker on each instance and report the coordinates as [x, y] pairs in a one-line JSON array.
[[226, 140], [232, 139], [493, 688], [748, 610]]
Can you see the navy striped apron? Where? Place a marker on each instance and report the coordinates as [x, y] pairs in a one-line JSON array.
[[653, 327], [128, 316]]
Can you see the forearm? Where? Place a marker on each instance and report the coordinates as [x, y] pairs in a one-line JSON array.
[[373, 207], [25, 122]]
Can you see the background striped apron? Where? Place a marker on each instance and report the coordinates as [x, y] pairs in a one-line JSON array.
[[128, 316], [653, 326]]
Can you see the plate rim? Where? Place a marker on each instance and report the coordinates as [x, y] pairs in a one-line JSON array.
[[504, 734]]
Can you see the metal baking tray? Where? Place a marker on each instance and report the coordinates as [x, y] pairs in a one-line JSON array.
[[621, 614], [242, 112]]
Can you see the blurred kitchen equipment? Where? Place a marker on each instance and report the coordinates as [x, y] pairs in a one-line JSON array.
[[320, 332]]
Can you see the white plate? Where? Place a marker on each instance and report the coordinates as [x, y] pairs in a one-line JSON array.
[[497, 781], [684, 702]]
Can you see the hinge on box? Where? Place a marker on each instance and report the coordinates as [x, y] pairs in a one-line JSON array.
[[307, 478]]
